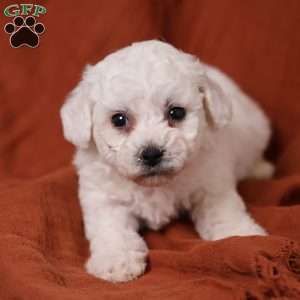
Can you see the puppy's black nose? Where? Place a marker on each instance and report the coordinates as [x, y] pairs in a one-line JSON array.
[[151, 156]]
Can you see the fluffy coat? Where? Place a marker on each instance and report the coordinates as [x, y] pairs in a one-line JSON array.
[[220, 141]]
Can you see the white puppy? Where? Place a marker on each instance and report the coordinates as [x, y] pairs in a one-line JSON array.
[[157, 132]]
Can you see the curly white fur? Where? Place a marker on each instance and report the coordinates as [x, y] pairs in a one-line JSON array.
[[220, 141]]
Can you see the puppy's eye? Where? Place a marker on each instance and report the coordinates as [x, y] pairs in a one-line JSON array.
[[119, 120], [176, 114]]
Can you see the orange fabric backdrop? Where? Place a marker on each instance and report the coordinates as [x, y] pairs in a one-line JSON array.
[[42, 246]]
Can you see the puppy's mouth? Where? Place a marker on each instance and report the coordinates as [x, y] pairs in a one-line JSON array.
[[152, 173], [155, 177]]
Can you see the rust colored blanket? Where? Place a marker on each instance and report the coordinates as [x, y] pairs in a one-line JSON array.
[[42, 245]]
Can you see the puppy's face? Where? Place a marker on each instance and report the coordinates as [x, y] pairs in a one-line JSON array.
[[147, 117], [148, 130]]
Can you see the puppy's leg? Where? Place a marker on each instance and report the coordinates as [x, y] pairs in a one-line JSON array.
[[223, 215], [118, 253]]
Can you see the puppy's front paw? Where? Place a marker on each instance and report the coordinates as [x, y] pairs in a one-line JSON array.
[[248, 229], [245, 228], [263, 169], [119, 262]]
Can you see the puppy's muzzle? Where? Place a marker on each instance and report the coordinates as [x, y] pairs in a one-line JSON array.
[[151, 156]]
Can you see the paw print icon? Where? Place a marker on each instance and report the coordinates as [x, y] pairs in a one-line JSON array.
[[24, 32]]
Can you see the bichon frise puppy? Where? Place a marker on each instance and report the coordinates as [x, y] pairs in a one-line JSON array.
[[156, 132]]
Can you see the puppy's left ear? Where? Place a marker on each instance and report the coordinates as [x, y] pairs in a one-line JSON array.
[[217, 106], [76, 115]]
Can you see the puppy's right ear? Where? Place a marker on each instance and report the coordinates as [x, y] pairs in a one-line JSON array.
[[76, 116]]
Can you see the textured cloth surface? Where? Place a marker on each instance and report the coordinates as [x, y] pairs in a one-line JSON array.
[[42, 245]]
